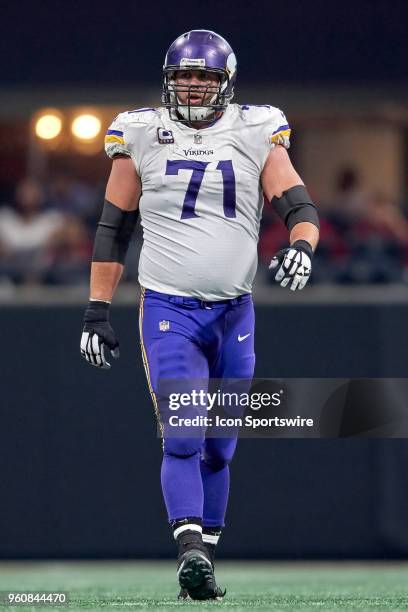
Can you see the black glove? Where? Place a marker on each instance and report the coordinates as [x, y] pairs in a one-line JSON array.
[[97, 334], [293, 265]]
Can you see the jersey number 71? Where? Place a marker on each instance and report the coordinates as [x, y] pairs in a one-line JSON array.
[[198, 168]]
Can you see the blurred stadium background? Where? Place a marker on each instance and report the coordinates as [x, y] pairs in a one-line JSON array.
[[80, 462]]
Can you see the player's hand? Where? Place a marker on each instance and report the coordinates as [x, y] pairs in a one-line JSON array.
[[293, 265], [98, 335]]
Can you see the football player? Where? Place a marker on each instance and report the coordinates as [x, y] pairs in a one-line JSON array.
[[197, 169]]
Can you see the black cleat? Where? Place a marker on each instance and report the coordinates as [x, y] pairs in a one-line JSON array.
[[183, 595], [216, 593], [210, 590], [196, 576]]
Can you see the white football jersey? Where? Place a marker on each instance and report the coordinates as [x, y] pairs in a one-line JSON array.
[[202, 199]]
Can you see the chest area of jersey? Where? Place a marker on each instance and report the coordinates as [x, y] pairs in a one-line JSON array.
[[200, 172]]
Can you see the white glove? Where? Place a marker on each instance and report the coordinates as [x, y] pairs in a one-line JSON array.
[[293, 265]]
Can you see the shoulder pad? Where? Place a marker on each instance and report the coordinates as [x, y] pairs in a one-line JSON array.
[[115, 139], [140, 115], [260, 113], [273, 121]]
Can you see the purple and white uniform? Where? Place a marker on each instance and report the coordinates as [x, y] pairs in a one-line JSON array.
[[202, 199], [200, 209]]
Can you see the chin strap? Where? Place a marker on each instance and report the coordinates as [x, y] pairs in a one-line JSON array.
[[199, 113]]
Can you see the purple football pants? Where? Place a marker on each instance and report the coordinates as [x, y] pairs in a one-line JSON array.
[[187, 339]]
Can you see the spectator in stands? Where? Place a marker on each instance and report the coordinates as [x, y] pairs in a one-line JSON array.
[[350, 200], [70, 254], [74, 197], [38, 244], [26, 230], [379, 243], [386, 217]]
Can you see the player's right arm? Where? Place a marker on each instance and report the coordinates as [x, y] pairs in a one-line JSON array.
[[122, 193], [112, 239]]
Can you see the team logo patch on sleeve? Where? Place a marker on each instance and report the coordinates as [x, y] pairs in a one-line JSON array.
[[281, 136], [165, 136], [114, 136]]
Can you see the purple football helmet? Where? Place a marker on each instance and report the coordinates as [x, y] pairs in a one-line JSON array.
[[199, 50]]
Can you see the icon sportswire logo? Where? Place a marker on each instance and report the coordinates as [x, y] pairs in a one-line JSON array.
[[241, 338]]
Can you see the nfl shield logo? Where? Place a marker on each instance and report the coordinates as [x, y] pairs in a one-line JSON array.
[[198, 139], [165, 136], [164, 325]]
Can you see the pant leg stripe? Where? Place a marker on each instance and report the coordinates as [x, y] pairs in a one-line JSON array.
[[146, 362]]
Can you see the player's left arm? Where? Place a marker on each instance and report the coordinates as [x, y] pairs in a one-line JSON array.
[[287, 193]]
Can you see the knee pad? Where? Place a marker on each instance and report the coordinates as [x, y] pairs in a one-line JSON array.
[[218, 452], [181, 447]]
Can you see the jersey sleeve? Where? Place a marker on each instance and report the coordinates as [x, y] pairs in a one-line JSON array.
[[115, 143], [278, 130], [269, 128]]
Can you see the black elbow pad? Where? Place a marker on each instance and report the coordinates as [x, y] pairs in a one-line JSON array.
[[295, 206], [113, 234]]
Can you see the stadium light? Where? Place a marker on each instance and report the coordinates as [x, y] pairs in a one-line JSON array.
[[48, 126], [86, 127]]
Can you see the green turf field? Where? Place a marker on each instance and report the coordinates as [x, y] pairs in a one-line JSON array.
[[261, 586]]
